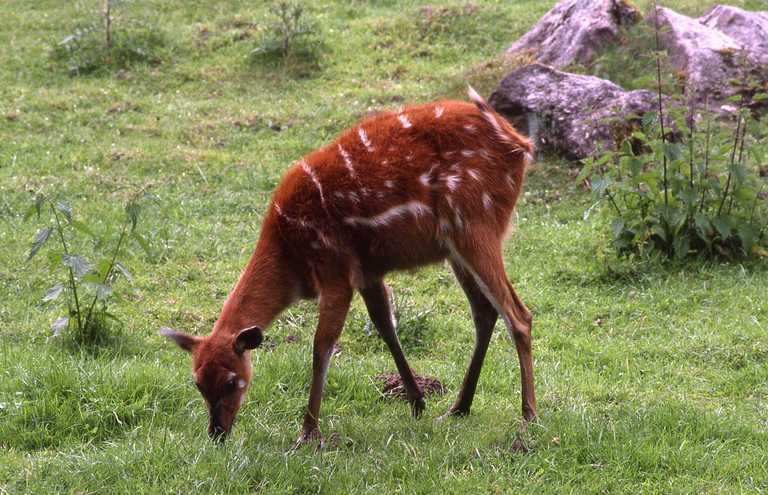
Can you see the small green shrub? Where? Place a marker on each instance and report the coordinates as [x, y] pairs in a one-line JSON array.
[[100, 42], [292, 39], [88, 286], [700, 194]]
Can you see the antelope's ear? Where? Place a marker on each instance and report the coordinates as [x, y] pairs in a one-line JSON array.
[[250, 338], [186, 342]]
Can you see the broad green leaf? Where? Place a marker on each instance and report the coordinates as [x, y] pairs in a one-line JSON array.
[[703, 224], [585, 171], [53, 293], [141, 242], [723, 226], [748, 237], [59, 325], [77, 263], [65, 208], [132, 210], [40, 238], [103, 291], [122, 269], [617, 226]]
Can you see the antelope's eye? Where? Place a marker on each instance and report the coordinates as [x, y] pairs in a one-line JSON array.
[[229, 387]]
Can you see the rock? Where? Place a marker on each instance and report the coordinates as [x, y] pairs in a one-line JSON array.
[[750, 29], [575, 31], [570, 114], [711, 52]]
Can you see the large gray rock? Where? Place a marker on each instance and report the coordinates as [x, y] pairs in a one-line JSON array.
[[714, 50], [749, 29], [570, 114], [575, 31]]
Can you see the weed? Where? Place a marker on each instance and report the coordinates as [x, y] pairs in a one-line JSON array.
[[88, 286], [98, 42], [292, 39]]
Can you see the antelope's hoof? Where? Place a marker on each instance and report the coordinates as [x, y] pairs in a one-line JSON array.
[[417, 407], [307, 437], [454, 412], [519, 446]]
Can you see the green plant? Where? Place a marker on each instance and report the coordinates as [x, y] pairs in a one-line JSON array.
[[291, 38], [681, 191], [96, 42], [89, 287]]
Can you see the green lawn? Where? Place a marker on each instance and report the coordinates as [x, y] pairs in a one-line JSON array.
[[649, 378]]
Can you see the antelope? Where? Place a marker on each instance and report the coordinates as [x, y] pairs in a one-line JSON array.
[[400, 190]]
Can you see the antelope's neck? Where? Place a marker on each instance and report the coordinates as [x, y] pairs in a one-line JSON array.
[[265, 288]]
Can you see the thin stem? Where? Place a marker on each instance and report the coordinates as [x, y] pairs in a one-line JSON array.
[[740, 161], [109, 270], [108, 22], [72, 284], [613, 202], [661, 104], [730, 168], [703, 179]]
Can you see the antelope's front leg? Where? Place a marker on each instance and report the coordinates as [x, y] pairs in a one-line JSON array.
[[334, 304]]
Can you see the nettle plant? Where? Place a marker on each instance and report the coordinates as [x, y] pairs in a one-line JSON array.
[[87, 288], [685, 183], [108, 38], [292, 38], [701, 195]]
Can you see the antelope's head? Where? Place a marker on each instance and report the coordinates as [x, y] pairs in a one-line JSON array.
[[221, 370]]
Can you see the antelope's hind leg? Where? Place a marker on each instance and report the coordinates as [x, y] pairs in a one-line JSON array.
[[484, 262], [377, 301], [484, 316]]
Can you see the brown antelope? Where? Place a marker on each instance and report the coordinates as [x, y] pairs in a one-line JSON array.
[[399, 190]]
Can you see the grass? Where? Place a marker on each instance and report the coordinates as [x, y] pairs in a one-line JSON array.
[[649, 378]]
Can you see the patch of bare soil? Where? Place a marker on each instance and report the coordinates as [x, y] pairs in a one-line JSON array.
[[393, 385]]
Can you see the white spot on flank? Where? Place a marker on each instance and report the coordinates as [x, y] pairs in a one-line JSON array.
[[414, 208], [364, 139], [452, 182], [380, 194], [470, 128], [487, 201], [390, 184], [439, 111], [347, 161], [404, 120], [338, 194], [426, 177], [468, 153], [311, 173], [474, 174]]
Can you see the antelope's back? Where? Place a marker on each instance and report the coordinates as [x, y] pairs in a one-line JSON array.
[[407, 179]]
